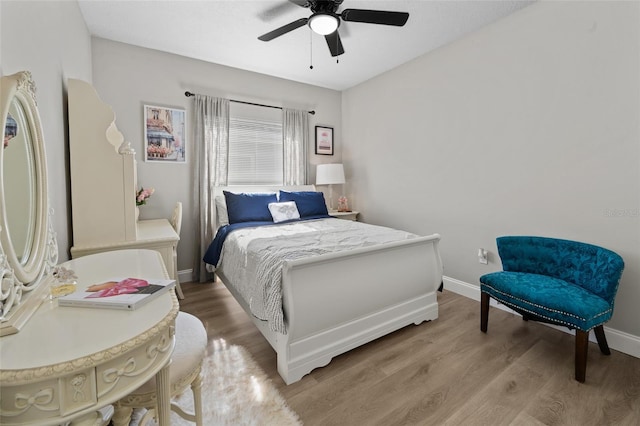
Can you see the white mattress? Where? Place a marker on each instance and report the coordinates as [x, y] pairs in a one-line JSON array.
[[252, 258]]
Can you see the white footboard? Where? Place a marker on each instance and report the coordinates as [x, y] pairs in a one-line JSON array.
[[336, 302]]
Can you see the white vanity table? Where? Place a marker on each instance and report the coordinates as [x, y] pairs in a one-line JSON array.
[[59, 365], [66, 363]]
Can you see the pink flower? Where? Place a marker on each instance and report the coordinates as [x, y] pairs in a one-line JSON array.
[[142, 195]]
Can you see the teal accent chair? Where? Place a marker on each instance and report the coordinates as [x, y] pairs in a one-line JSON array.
[[559, 282]]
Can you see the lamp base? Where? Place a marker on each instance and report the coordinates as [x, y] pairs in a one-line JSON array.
[[331, 198]]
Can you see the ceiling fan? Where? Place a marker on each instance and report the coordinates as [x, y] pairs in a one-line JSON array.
[[325, 21]]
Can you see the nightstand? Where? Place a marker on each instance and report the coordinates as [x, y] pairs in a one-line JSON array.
[[352, 215]]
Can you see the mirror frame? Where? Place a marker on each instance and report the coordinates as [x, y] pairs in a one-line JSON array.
[[25, 284]]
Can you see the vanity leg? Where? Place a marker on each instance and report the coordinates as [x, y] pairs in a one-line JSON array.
[[164, 396]]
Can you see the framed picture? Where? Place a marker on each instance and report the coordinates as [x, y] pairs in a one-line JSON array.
[[324, 140], [165, 134]]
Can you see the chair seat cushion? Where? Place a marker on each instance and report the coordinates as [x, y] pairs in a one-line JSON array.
[[547, 297], [189, 351]]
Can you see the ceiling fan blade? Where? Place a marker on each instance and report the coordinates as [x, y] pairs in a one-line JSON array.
[[283, 29], [276, 11], [383, 17], [301, 3], [334, 43]]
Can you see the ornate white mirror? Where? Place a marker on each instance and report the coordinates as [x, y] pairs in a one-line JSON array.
[[28, 249]]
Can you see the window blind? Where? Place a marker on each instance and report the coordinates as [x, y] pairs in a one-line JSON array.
[[255, 152]]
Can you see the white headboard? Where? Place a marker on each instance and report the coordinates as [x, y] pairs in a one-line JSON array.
[[218, 191]]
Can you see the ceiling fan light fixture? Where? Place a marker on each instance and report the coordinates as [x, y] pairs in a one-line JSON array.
[[323, 23]]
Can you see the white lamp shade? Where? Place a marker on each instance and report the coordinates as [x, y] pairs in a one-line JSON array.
[[329, 174]]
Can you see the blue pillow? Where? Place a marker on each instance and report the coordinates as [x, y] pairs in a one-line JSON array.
[[309, 203], [246, 207]]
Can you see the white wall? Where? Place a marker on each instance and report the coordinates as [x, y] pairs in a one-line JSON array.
[[528, 126], [128, 77], [50, 39]]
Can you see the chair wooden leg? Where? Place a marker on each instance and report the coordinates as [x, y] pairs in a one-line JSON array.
[[196, 387], [484, 311], [602, 340], [582, 349]]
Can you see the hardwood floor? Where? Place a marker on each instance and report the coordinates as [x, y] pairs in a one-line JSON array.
[[445, 372]]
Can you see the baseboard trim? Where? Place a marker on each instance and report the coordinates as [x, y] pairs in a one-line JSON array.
[[618, 340], [185, 276]]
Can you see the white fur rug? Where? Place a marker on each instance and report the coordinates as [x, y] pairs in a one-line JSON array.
[[235, 391]]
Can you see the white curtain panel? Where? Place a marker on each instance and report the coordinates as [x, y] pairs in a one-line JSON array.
[[295, 133], [212, 148]]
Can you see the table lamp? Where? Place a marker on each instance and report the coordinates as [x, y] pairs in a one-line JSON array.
[[330, 174]]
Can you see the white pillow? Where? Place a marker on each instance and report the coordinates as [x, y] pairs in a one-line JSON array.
[[222, 218], [284, 211]]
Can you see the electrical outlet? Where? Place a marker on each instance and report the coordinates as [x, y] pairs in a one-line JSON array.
[[482, 256]]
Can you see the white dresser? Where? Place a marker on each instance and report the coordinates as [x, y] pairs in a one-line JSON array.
[[104, 184], [155, 234]]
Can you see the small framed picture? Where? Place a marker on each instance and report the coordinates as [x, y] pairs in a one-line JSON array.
[[324, 140], [165, 134]]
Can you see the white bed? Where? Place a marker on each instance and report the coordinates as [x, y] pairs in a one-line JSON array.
[[335, 302]]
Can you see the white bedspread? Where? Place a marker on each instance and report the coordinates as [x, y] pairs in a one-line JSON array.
[[252, 258]]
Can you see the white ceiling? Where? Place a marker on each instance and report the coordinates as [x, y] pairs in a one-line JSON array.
[[226, 32]]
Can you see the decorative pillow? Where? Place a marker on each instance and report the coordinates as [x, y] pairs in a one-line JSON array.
[[249, 207], [284, 211], [221, 212], [309, 203]]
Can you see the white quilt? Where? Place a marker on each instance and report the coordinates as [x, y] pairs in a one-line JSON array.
[[252, 258]]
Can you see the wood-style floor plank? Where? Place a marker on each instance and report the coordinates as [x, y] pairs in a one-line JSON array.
[[443, 372]]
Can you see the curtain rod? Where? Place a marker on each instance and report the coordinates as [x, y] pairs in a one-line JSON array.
[[188, 94]]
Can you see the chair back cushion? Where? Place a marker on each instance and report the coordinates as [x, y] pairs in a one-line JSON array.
[[593, 268]]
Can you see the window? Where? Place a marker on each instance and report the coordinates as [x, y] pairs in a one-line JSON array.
[[255, 151]]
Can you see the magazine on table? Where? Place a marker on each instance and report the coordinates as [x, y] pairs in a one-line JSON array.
[[119, 293]]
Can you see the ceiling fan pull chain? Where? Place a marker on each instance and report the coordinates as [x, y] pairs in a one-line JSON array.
[[311, 50]]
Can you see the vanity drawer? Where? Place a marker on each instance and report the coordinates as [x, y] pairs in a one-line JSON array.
[[48, 399], [127, 372]]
